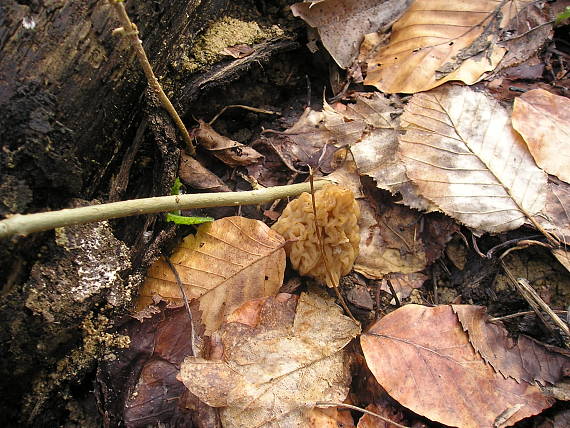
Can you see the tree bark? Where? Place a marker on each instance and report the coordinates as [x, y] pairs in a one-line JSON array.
[[75, 115]]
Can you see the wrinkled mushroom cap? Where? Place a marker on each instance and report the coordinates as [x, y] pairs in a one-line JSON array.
[[337, 217]]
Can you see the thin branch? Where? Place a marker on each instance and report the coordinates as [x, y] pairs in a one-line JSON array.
[[130, 31], [195, 351], [19, 224], [330, 281], [519, 314], [254, 109]]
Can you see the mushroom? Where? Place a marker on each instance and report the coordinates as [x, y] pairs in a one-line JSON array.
[[337, 218]]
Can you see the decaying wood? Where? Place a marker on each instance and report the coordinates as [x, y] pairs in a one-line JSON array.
[[75, 115]]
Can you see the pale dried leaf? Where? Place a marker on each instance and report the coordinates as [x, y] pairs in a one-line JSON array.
[[342, 24], [543, 120], [424, 360], [462, 153], [436, 41], [272, 374], [376, 156], [227, 262]]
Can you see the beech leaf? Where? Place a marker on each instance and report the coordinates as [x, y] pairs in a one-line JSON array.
[[436, 41], [543, 120], [273, 371], [422, 357], [463, 154], [525, 360], [342, 24], [227, 262]]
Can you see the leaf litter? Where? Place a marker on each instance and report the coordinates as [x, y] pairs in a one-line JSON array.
[[269, 358]]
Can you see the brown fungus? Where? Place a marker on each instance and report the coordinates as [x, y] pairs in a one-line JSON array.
[[337, 217]]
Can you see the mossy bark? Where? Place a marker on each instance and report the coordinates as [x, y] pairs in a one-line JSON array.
[[78, 125]]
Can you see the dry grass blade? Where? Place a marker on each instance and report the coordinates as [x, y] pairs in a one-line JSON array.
[[437, 41], [463, 154]]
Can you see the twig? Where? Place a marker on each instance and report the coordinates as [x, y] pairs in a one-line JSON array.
[[323, 252], [254, 109], [186, 304], [23, 224], [360, 409], [394, 295], [518, 314], [532, 303], [523, 283], [130, 31]]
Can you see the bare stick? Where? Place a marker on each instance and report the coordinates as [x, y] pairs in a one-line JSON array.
[[186, 304], [360, 409], [23, 224], [131, 32], [523, 283], [324, 254], [254, 109]]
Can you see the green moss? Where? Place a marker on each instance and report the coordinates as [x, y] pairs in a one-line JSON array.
[[224, 33]]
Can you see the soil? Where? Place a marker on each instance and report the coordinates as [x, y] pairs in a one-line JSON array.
[[79, 127]]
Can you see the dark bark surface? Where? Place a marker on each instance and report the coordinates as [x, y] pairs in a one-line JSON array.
[[77, 126]]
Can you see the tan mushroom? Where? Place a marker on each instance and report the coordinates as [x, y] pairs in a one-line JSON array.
[[337, 217]]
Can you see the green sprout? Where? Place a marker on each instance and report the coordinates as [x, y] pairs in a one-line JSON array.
[[175, 217], [562, 16]]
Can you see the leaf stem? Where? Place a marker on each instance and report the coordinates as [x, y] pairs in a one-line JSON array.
[[131, 32], [360, 409], [28, 223]]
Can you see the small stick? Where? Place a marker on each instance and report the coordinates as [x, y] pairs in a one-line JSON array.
[[323, 253], [525, 295], [254, 109], [186, 304], [518, 314], [360, 409], [19, 224], [130, 31], [527, 287], [394, 295]]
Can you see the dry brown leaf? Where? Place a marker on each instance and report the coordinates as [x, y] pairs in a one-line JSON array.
[[307, 142], [383, 248], [424, 360], [273, 373], [228, 151], [462, 153], [383, 409], [342, 24], [436, 41], [376, 155], [158, 344], [543, 120], [526, 34], [330, 418], [397, 239], [403, 284], [555, 214], [227, 262], [563, 257], [525, 360], [193, 174]]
